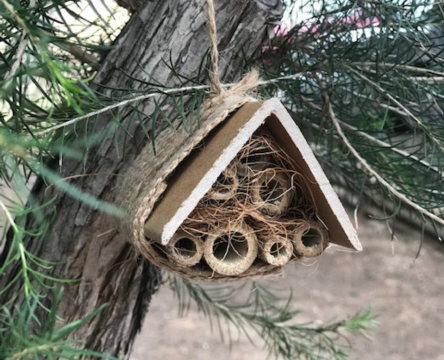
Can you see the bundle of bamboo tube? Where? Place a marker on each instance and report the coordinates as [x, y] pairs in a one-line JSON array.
[[260, 210]]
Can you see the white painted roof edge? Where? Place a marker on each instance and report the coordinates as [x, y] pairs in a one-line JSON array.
[[319, 175]]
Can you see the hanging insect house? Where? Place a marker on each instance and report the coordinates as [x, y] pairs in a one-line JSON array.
[[237, 199]]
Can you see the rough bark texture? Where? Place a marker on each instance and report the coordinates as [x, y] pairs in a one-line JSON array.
[[87, 241]]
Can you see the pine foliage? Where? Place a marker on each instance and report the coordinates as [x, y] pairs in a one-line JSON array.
[[369, 95], [271, 318], [17, 340]]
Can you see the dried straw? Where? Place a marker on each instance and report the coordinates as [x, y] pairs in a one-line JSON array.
[[310, 240], [275, 250], [225, 187], [272, 193], [231, 249], [185, 249]]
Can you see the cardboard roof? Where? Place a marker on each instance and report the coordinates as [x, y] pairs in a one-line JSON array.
[[200, 170]]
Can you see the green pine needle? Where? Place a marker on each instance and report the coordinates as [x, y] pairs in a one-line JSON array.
[[273, 320]]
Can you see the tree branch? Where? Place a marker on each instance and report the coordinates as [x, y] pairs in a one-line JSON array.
[[369, 169], [391, 98]]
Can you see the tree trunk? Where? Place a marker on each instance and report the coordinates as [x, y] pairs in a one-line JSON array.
[[87, 242]]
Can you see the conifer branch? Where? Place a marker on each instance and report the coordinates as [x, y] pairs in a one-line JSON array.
[[383, 144], [34, 350], [23, 42], [159, 92], [372, 139], [383, 65], [369, 169], [401, 106], [271, 318]]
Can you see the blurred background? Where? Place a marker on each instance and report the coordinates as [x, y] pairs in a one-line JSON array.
[[405, 292]]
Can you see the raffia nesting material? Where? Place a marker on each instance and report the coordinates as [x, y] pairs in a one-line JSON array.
[[226, 186], [185, 249], [310, 240], [256, 157], [272, 193]]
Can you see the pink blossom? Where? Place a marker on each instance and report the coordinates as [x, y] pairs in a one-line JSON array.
[[358, 19]]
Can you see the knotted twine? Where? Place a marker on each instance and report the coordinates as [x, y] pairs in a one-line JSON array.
[[146, 180]]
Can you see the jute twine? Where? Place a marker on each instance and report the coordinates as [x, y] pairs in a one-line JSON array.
[[212, 31], [146, 180]]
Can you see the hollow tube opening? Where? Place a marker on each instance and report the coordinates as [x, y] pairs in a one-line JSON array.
[[185, 248], [223, 184], [271, 191], [278, 250], [311, 238], [230, 248]]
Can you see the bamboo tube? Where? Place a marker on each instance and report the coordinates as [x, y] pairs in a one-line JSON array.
[[272, 193], [231, 250], [310, 240], [249, 165], [276, 250], [225, 187], [185, 249]]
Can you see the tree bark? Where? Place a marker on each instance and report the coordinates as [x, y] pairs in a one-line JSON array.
[[87, 242]]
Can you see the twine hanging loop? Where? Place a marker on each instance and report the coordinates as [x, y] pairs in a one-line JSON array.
[[212, 31]]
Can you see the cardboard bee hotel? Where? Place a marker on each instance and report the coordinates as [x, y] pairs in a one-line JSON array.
[[235, 196]]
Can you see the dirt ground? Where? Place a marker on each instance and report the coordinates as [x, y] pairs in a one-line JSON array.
[[407, 294]]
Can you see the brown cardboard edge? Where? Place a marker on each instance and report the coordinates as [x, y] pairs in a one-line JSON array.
[[187, 176], [329, 208]]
